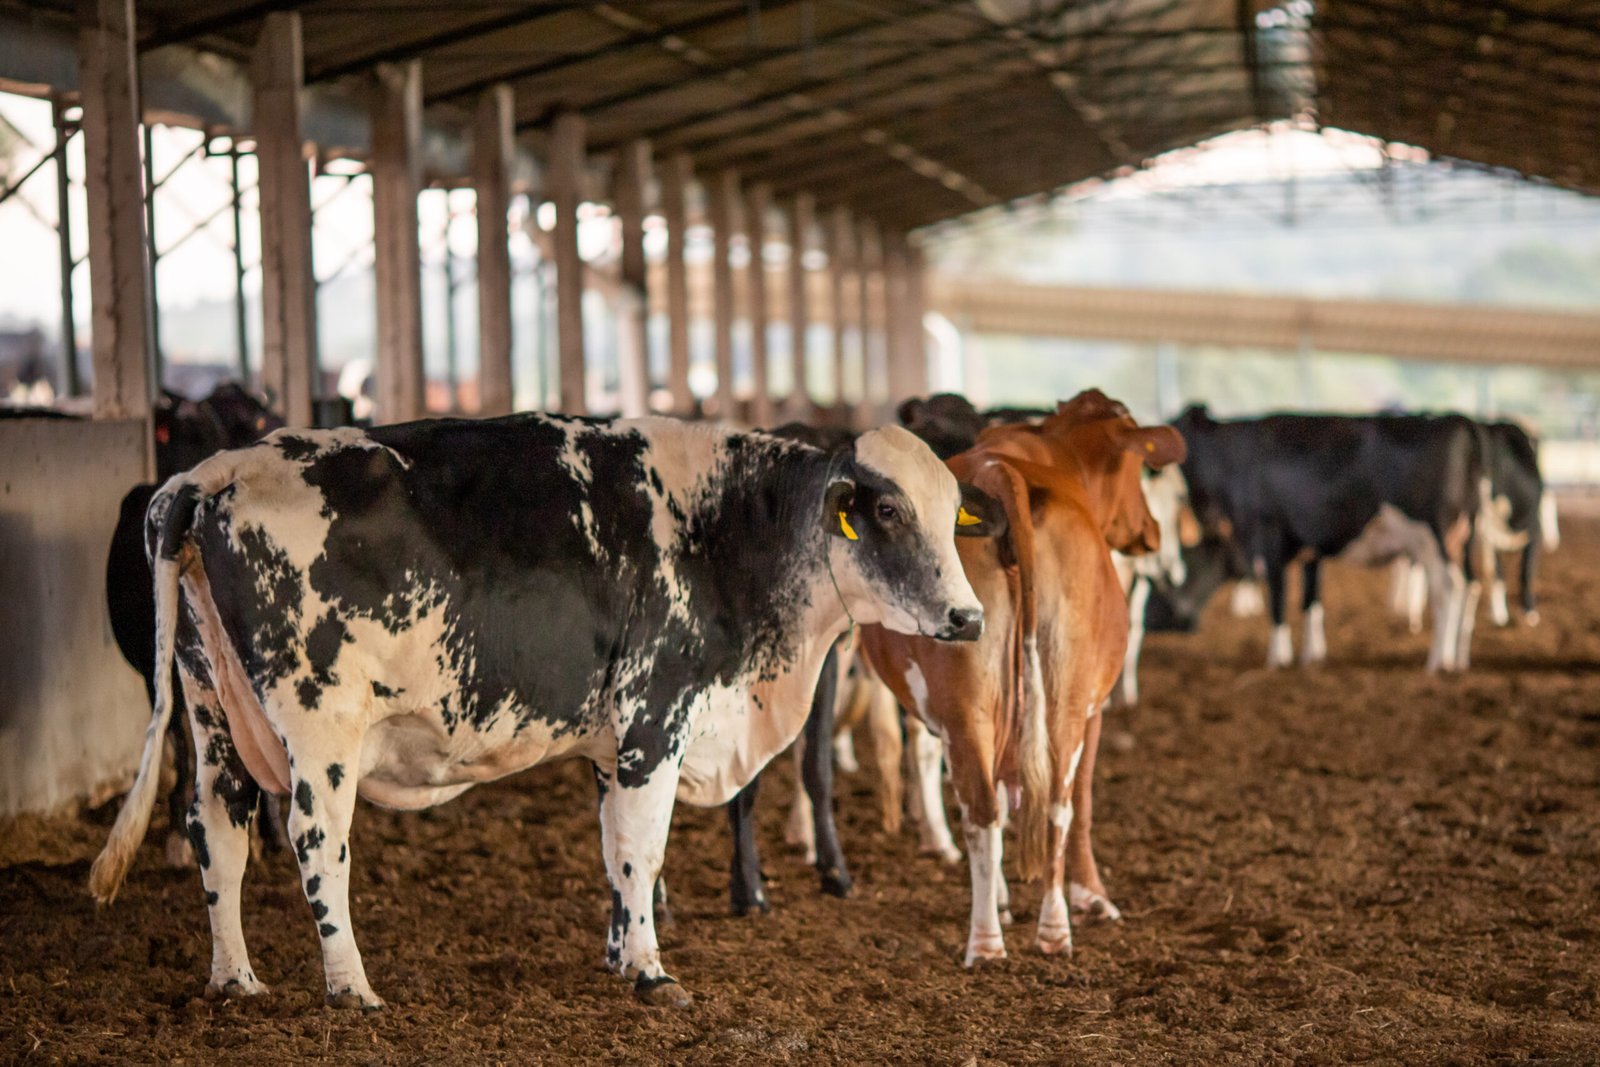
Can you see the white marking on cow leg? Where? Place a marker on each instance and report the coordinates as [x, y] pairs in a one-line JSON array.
[[1086, 901], [1137, 600], [1247, 601], [801, 830], [1549, 524], [985, 941], [322, 804], [928, 751], [1416, 595], [1469, 619], [1002, 888], [1280, 647], [1499, 610], [1445, 591], [634, 821], [225, 847], [1054, 934], [1314, 649], [844, 752]]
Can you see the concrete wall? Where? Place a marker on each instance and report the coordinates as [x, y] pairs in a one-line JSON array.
[[72, 713]]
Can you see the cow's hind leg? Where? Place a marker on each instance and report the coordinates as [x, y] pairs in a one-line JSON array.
[[180, 853], [219, 829], [816, 771], [1087, 892], [322, 803], [745, 890], [635, 815]]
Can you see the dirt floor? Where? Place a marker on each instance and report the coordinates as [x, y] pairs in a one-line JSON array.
[[1357, 864]]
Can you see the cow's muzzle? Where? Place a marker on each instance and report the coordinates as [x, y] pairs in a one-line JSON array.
[[962, 624]]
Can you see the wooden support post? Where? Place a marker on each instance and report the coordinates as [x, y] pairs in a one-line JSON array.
[[896, 293], [874, 370], [492, 151], [724, 205], [396, 183], [801, 215], [757, 206], [119, 277], [916, 379], [288, 282], [841, 257], [633, 337], [567, 135], [675, 179]]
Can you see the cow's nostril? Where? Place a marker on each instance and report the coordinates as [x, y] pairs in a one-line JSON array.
[[965, 623]]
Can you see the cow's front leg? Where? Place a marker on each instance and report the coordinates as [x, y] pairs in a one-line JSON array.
[[985, 940], [816, 773], [322, 804], [635, 816], [745, 891]]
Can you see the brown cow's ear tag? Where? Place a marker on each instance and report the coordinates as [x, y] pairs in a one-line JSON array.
[[1149, 446], [967, 518], [846, 529]]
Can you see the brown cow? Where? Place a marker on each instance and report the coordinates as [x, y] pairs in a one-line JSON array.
[[1019, 709]]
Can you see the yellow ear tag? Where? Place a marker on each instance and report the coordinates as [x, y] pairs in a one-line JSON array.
[[1149, 446], [967, 518], [844, 524]]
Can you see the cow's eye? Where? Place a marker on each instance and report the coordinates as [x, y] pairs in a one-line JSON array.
[[888, 512]]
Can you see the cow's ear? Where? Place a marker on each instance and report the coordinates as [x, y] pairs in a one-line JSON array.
[[980, 514], [837, 504], [1158, 446]]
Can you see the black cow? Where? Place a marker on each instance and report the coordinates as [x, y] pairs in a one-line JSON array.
[[186, 432], [401, 613], [1517, 514], [1208, 566], [950, 424], [1327, 485]]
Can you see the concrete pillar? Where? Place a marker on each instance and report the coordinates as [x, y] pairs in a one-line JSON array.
[[633, 348], [119, 270], [567, 136], [724, 205], [801, 215], [841, 257], [492, 151], [288, 282], [757, 205], [675, 179], [901, 330], [396, 183]]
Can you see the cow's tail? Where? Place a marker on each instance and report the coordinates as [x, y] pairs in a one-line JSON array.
[[167, 526], [1030, 717]]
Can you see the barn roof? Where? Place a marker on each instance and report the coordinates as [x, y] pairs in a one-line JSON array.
[[916, 111]]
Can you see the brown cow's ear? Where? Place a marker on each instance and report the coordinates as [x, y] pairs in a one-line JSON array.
[[980, 514], [1158, 446]]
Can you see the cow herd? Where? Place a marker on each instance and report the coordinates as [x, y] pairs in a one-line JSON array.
[[402, 612]]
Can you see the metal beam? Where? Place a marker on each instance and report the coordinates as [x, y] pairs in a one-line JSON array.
[[841, 255], [802, 217], [758, 203], [445, 38], [724, 209]]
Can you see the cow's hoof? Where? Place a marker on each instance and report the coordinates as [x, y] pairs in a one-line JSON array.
[[1531, 618], [350, 998], [985, 951], [235, 989], [1005, 917], [836, 882], [1088, 904], [1056, 942], [758, 908], [180, 853], [945, 853], [662, 992]]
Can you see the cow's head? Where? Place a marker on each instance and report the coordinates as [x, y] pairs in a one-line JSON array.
[[893, 512], [1166, 494], [1114, 450], [947, 422]]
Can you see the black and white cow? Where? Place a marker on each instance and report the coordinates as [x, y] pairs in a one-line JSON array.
[[402, 613], [1518, 515], [1326, 485]]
